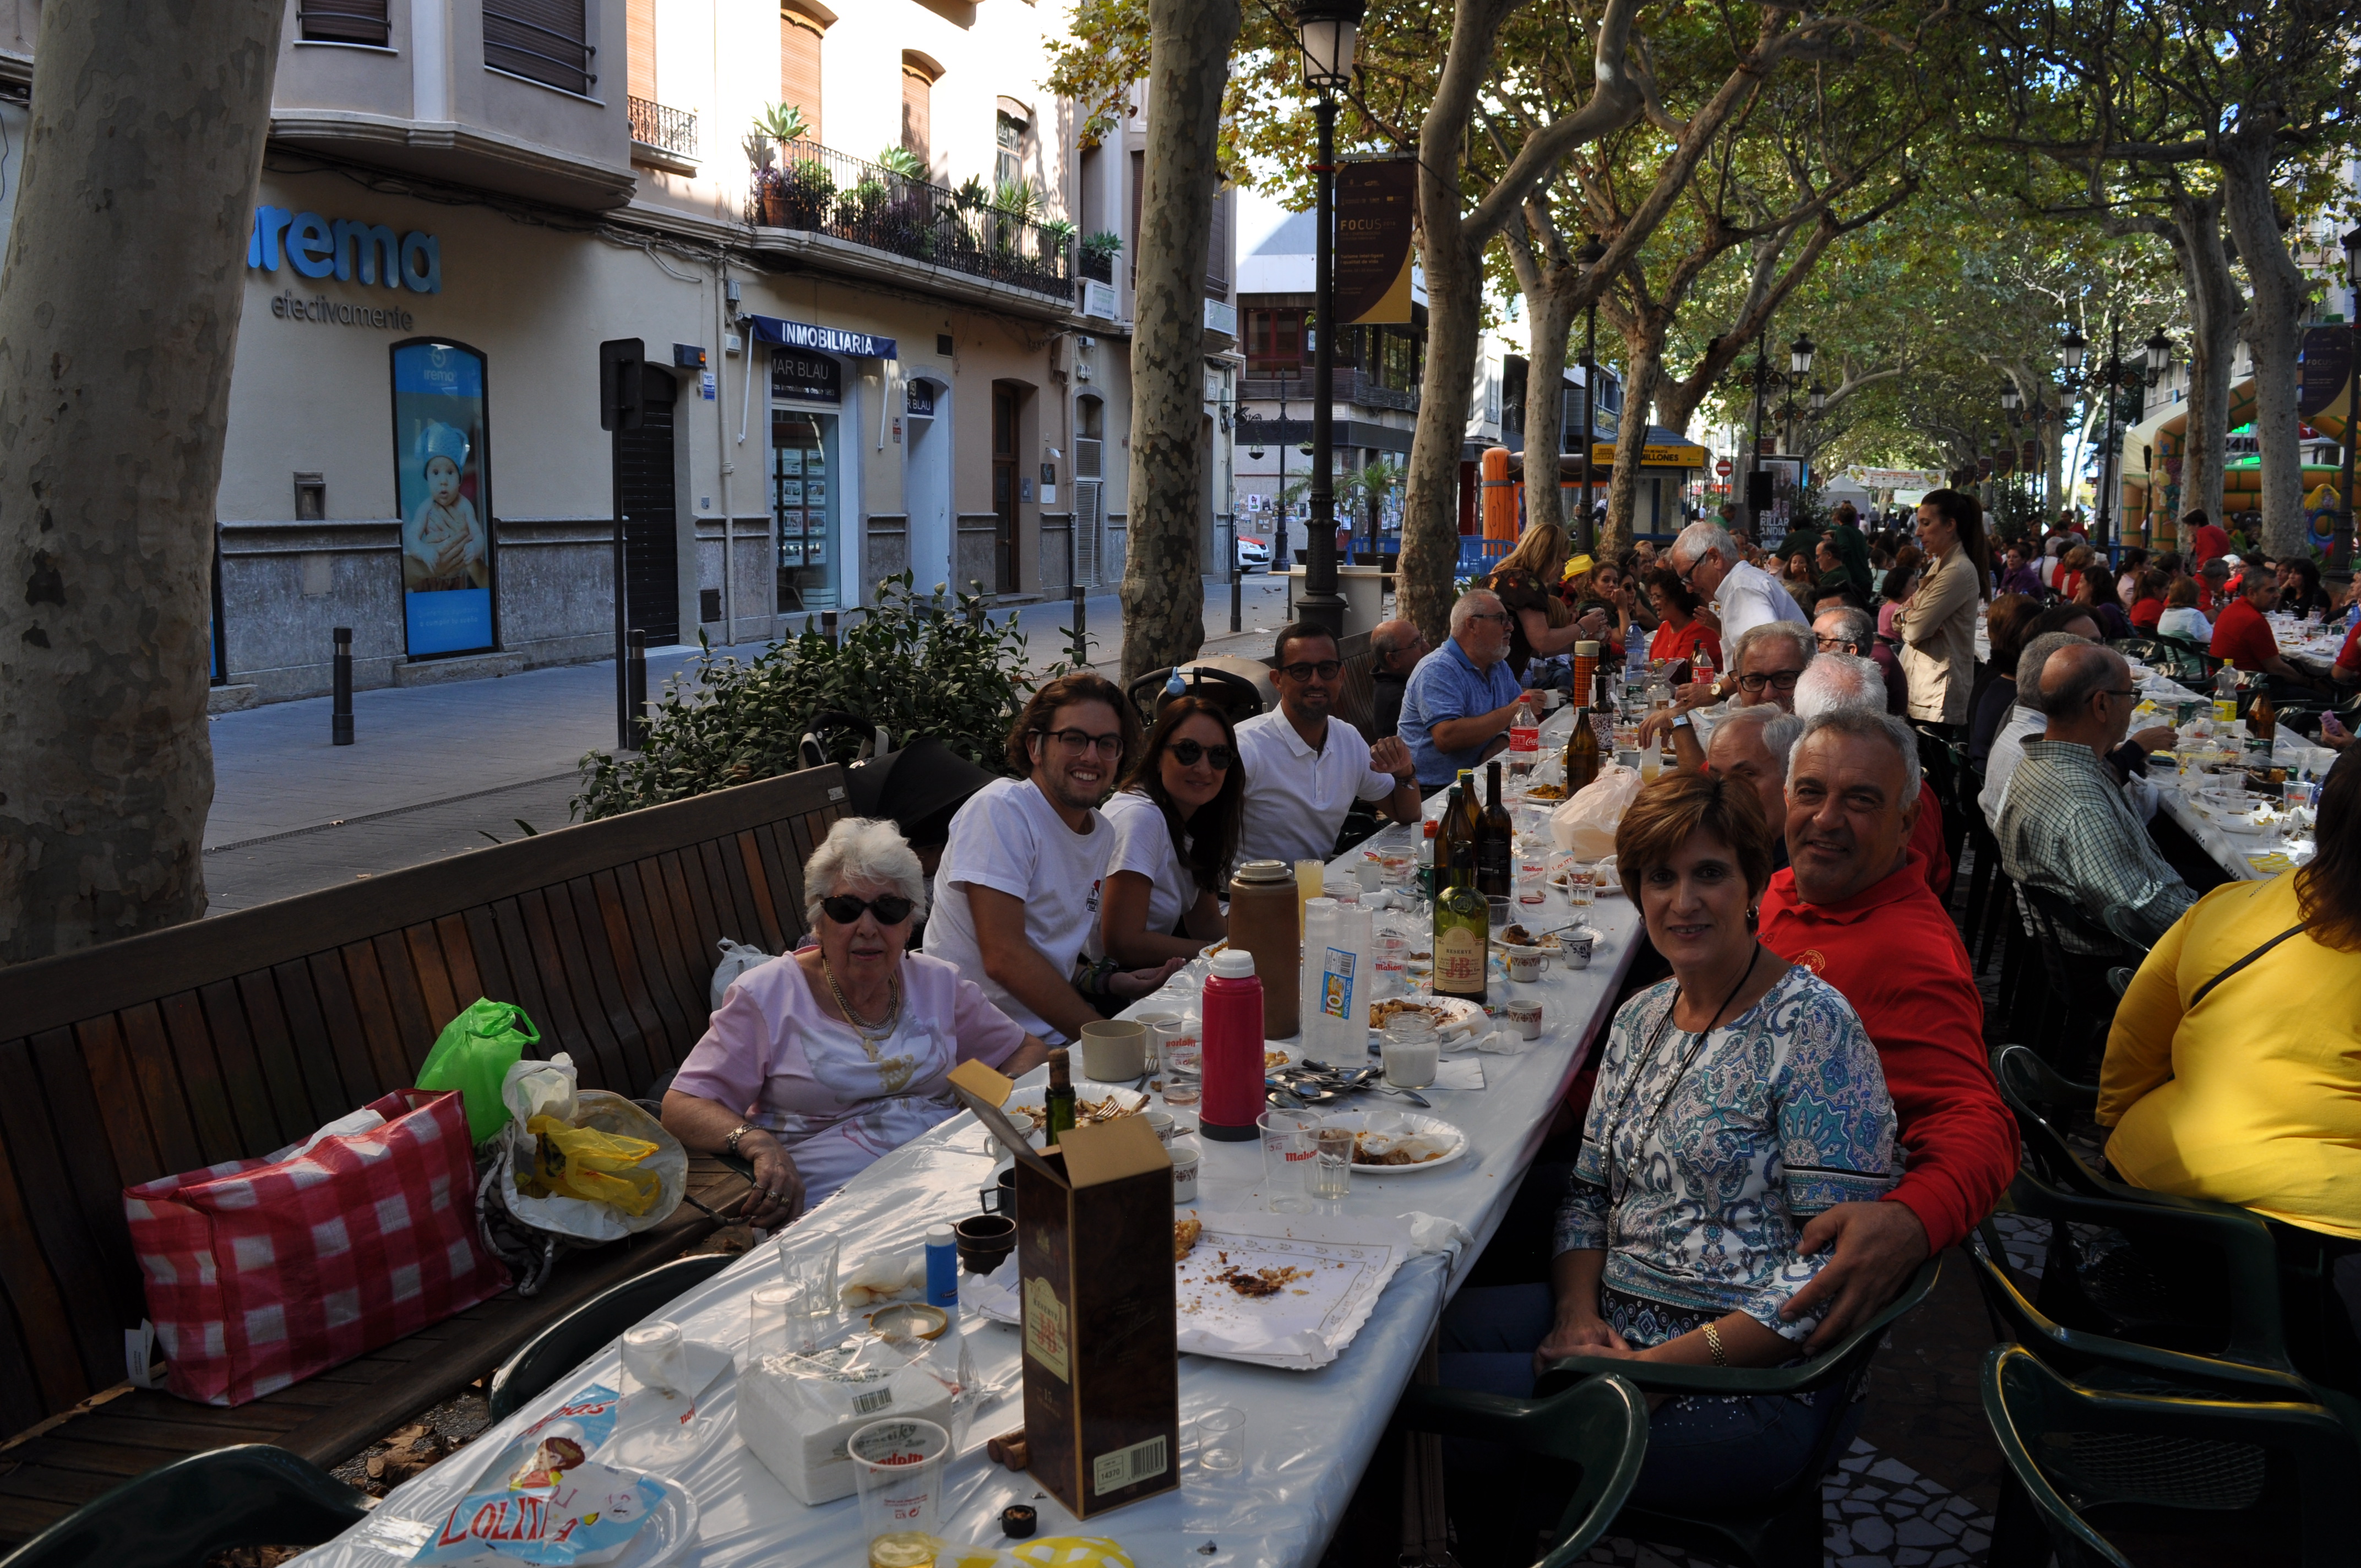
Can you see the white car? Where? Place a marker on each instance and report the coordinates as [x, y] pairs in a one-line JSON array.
[[1254, 554]]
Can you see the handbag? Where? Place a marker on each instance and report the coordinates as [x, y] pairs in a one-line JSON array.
[[263, 1272]]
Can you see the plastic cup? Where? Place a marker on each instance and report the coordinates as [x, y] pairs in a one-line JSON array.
[[897, 1466], [775, 1324], [1287, 1153], [1411, 1051], [1221, 1440], [1184, 1069], [1370, 875], [1331, 1175]]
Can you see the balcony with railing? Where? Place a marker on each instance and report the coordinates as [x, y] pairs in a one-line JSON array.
[[664, 136], [1353, 386], [806, 187]]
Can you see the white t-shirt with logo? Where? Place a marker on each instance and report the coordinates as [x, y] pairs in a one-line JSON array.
[[1010, 838], [1143, 844]]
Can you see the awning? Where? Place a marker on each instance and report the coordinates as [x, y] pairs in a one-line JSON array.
[[826, 339]]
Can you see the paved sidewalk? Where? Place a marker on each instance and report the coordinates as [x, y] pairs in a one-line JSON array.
[[433, 770]]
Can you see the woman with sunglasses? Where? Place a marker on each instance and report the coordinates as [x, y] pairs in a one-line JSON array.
[[1175, 826], [817, 1063]]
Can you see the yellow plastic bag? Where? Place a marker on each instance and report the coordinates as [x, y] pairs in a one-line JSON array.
[[582, 1162]]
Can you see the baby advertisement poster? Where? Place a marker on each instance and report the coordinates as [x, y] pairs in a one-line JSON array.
[[442, 477]]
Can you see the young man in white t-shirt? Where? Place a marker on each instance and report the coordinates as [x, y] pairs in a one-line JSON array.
[[1305, 769], [1017, 898]]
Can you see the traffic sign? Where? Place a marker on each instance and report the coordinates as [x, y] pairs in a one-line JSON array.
[[1725, 467]]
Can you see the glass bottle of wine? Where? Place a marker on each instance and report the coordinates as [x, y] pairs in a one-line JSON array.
[[1581, 753], [1463, 935], [1493, 840], [1058, 1102], [1451, 836]]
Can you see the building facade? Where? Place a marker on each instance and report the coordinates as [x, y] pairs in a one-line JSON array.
[[849, 239]]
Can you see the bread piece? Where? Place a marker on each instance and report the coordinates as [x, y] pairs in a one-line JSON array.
[[1185, 1232]]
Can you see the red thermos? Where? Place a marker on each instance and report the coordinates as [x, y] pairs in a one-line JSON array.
[[1232, 1048]]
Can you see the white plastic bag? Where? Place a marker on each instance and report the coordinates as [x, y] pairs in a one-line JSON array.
[[737, 958], [539, 1089], [1586, 825]]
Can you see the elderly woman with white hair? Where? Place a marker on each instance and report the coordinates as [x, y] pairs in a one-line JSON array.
[[818, 1062]]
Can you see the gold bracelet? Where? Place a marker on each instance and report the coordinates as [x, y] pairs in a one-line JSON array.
[[1713, 1343]]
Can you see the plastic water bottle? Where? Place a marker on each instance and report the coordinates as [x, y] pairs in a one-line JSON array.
[[1232, 1010], [1336, 1018], [2225, 695], [1701, 669], [1524, 743], [1319, 925]]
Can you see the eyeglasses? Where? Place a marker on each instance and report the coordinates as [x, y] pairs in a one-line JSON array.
[[2111, 691], [1083, 741], [892, 908], [1326, 669], [1500, 615], [1188, 751], [1785, 680], [1830, 644]]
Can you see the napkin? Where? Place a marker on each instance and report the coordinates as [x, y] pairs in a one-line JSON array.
[[1463, 1072], [1432, 1233]]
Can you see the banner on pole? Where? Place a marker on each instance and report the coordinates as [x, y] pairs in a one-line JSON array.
[[1376, 206]]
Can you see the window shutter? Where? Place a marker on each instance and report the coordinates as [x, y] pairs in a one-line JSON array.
[[799, 67], [345, 22], [545, 41], [918, 97], [1217, 249], [640, 39]]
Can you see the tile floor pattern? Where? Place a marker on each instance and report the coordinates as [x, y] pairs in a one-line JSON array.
[[1880, 1513]]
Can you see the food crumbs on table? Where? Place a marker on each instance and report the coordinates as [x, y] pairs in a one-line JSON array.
[[1184, 1236], [1262, 1281]]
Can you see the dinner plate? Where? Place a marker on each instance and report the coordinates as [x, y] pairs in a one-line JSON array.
[[1402, 1122], [1451, 1012]]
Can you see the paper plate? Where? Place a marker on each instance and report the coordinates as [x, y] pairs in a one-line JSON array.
[[1448, 1011], [1033, 1099], [670, 1531], [1403, 1122]]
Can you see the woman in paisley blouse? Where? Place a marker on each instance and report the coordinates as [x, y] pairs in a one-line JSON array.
[[1734, 1100], [817, 1063]]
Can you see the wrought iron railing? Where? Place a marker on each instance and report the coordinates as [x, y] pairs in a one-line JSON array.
[[1353, 386], [802, 185], [663, 128], [523, 47]]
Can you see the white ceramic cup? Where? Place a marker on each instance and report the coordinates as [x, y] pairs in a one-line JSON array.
[[1526, 1016], [1184, 1171]]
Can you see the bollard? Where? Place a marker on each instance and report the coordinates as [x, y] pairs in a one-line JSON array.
[[827, 626], [637, 691], [340, 715], [1238, 597], [1082, 635]]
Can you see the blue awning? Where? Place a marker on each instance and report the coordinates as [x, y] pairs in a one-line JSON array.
[[826, 339]]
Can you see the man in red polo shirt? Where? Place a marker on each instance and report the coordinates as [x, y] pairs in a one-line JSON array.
[[2204, 538], [2244, 638], [1854, 908]]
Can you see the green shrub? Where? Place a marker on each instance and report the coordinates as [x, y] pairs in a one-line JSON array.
[[952, 674]]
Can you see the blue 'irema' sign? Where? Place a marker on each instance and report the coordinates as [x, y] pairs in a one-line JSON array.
[[345, 249]]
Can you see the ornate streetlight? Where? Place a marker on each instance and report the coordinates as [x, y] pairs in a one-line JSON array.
[[1330, 34]]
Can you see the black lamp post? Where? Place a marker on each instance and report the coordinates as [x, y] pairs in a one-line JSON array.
[[2111, 378], [1331, 33], [2340, 547], [1591, 254], [1762, 379], [2010, 400]]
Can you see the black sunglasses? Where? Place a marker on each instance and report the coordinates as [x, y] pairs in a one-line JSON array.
[[1326, 669], [1188, 751], [844, 909]]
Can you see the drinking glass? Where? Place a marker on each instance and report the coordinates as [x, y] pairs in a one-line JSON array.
[[807, 1262], [1497, 906], [1184, 1067], [897, 1466], [1287, 1153], [1221, 1440], [1331, 1175], [776, 1324], [1582, 882], [1161, 1027]]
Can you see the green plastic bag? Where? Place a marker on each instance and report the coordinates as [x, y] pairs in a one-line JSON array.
[[473, 1054]]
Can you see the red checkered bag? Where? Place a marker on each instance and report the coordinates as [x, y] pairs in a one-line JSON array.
[[263, 1272]]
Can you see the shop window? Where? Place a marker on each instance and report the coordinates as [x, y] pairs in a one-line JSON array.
[[345, 22], [547, 41], [799, 37], [803, 504]]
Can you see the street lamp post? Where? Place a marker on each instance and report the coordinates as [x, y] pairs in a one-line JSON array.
[[1755, 452], [2339, 546], [2010, 398], [1331, 33], [1591, 254]]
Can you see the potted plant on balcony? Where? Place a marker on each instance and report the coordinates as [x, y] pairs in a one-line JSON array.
[[1054, 235], [905, 226], [1099, 251], [776, 128]]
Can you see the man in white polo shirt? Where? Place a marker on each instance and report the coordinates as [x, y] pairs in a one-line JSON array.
[[1744, 595], [1305, 769], [1017, 898]]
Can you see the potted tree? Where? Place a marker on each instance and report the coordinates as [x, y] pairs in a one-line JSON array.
[[778, 127], [1099, 251]]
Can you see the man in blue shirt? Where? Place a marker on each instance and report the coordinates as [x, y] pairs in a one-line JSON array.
[[1455, 709]]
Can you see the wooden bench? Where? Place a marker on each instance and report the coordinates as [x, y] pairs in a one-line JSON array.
[[231, 1038]]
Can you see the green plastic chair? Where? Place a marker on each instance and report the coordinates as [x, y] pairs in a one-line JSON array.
[[1785, 1531], [2045, 1101], [2250, 1472], [177, 1514], [1599, 1426], [570, 1341]]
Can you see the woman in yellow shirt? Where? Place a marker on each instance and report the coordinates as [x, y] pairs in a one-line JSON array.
[[2233, 1068]]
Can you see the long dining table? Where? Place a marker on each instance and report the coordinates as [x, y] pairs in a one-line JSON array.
[[1309, 1436], [2246, 857]]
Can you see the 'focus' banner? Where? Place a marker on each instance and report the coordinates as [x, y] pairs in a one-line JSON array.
[[1376, 205]]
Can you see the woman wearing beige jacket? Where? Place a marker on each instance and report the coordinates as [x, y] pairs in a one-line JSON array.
[[1937, 627]]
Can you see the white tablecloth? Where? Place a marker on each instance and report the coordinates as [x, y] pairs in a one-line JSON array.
[[1309, 1436], [2235, 853]]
